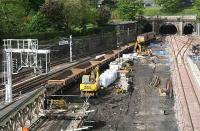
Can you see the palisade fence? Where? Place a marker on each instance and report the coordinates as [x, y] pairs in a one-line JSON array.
[[86, 45], [89, 45]]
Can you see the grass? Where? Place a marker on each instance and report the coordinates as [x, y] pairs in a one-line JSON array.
[[152, 11]]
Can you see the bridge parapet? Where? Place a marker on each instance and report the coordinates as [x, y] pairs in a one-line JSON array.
[[23, 112], [179, 21], [172, 18]]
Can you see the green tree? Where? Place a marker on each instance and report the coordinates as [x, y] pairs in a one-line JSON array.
[[36, 4], [128, 9], [197, 4], [37, 23], [31, 5], [109, 3], [87, 14], [104, 15], [54, 13], [169, 5], [11, 16], [79, 13], [15, 14]]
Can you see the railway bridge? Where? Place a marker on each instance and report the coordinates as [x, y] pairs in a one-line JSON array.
[[26, 111], [23, 112], [185, 24]]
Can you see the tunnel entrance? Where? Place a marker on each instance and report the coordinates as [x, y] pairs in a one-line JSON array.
[[147, 28], [188, 29], [168, 28]]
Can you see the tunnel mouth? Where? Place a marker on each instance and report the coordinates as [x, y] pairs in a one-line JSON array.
[[188, 29], [168, 29], [147, 28]]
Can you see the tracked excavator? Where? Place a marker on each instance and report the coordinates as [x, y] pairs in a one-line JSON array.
[[90, 84], [138, 49], [143, 39]]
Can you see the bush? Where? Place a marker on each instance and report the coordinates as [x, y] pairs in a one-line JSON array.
[[37, 23], [104, 15], [54, 13], [129, 9]]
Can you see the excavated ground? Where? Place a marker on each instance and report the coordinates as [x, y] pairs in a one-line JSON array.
[[142, 109]]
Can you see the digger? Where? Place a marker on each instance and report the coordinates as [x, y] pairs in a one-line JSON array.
[[138, 49], [90, 84], [144, 39]]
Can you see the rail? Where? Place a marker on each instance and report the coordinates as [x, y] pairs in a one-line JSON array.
[[181, 54], [35, 83], [76, 72]]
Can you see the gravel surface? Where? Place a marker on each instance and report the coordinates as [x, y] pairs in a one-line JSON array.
[[142, 109]]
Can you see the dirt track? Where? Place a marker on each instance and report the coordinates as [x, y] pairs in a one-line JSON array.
[[142, 109]]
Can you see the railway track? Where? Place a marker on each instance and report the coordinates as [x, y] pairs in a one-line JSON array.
[[17, 78], [28, 86], [22, 88], [187, 85], [27, 72]]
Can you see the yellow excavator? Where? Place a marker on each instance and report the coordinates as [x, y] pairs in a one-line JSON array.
[[90, 84], [142, 40], [138, 49]]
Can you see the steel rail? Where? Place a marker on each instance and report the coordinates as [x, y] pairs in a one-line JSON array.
[[187, 45]]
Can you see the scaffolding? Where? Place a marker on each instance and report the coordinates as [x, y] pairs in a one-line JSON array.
[[22, 53]]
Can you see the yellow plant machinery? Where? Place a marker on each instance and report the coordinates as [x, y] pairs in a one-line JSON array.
[[142, 39], [90, 84]]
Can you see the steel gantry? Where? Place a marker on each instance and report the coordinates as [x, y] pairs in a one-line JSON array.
[[22, 53]]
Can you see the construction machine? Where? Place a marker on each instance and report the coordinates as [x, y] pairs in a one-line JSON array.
[[138, 47], [90, 84], [142, 40]]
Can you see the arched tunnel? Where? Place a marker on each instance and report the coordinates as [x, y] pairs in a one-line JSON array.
[[147, 28], [188, 29], [168, 28]]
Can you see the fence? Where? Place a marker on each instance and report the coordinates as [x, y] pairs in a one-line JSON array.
[[88, 45]]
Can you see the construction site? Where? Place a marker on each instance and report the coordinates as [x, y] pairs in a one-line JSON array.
[[125, 81]]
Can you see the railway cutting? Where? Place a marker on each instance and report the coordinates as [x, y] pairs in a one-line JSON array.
[[141, 75]]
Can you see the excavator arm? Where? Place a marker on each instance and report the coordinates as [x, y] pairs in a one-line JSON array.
[[138, 47]]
